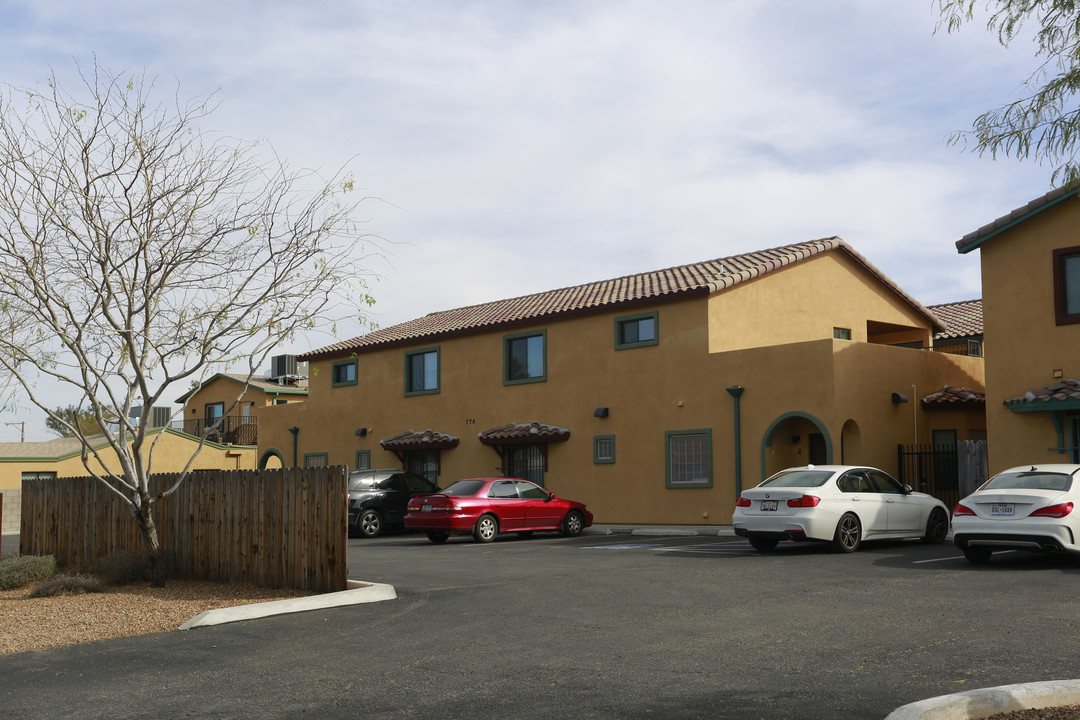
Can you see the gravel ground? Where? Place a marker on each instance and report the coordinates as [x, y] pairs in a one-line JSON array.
[[35, 623], [1069, 712]]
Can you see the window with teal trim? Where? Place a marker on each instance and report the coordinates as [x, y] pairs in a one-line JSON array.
[[634, 331], [603, 449], [688, 458], [343, 373], [363, 459], [422, 372], [525, 358], [312, 460]]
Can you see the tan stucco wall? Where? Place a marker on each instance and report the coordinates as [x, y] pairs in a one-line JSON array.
[[1025, 345], [675, 385], [806, 301]]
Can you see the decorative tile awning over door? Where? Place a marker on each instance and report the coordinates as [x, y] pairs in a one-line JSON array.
[[522, 447], [426, 441]]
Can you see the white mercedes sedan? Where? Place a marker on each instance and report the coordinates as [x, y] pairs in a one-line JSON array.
[[839, 504], [1025, 508]]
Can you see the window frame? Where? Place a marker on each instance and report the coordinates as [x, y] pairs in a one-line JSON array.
[[678, 485], [334, 382], [323, 455], [841, 333], [508, 340], [624, 320], [1061, 310], [597, 459], [409, 355], [366, 454]]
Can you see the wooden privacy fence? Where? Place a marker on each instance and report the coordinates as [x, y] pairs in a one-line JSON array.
[[271, 528]]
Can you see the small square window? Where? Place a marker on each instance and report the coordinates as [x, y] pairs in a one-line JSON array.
[[344, 373], [312, 460], [841, 333], [603, 449], [637, 331], [363, 459], [525, 358], [422, 372]]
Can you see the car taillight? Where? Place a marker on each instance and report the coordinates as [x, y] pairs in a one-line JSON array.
[[961, 510], [742, 502], [1054, 511], [804, 501]]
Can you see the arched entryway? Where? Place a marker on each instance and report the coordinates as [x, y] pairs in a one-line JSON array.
[[271, 460], [850, 443], [795, 438]]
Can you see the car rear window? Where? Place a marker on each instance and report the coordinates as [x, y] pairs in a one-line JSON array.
[[1029, 481], [799, 478], [464, 488]]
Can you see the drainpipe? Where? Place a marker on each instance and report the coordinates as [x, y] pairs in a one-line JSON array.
[[295, 431], [736, 392]]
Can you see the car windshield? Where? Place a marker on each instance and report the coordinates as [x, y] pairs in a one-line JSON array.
[[463, 488], [1031, 480], [798, 478]]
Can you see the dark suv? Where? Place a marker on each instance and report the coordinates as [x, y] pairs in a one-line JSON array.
[[378, 499]]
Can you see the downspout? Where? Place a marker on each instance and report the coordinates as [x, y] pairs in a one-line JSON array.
[[295, 446], [736, 392]]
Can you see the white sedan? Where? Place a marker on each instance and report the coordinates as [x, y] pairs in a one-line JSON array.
[[841, 504], [1026, 508]]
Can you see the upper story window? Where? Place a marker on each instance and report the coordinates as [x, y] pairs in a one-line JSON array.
[[1067, 285], [841, 333], [525, 358], [344, 373], [422, 372], [636, 331]]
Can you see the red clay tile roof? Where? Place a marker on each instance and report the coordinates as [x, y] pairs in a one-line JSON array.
[[1065, 390], [674, 283], [960, 319], [974, 239], [523, 432], [950, 397], [413, 440]]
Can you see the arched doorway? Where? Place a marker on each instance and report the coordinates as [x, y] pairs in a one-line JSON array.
[[850, 443], [795, 438], [271, 460]]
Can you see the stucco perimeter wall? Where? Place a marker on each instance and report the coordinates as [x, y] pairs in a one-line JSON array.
[[805, 302], [1024, 344], [675, 385]]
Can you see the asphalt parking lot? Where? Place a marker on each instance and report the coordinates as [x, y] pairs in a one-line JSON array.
[[614, 626]]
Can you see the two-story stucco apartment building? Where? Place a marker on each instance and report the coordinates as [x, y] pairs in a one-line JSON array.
[[653, 397]]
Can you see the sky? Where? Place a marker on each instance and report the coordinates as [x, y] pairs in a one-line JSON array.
[[518, 146]]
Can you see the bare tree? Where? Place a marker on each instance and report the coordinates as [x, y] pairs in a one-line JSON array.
[[139, 253]]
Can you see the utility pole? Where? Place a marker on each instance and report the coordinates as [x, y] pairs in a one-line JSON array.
[[22, 429]]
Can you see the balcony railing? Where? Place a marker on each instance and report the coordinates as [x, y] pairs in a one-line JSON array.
[[228, 430], [969, 348]]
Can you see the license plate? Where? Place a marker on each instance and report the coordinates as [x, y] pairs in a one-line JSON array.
[[425, 508], [768, 504], [1001, 509]]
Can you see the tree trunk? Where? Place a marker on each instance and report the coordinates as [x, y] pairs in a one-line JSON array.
[[152, 545]]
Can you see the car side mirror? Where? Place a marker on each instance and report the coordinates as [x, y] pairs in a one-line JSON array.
[[908, 490], [550, 497]]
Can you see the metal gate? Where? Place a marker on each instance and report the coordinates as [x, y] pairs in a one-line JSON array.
[[948, 472]]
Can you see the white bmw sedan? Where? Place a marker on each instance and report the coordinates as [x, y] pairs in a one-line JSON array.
[[1026, 508], [841, 504]]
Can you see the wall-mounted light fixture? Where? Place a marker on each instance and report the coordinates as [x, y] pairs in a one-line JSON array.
[[361, 432], [600, 412], [899, 398]]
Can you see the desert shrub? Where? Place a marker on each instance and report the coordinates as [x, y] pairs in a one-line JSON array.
[[123, 566], [24, 569], [67, 585]]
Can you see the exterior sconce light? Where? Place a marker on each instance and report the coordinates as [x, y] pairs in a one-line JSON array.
[[361, 432], [600, 412], [899, 398]]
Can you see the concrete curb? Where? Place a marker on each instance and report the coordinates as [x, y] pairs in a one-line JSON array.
[[358, 592], [991, 701], [661, 530]]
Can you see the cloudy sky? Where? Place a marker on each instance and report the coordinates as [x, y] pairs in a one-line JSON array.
[[516, 146]]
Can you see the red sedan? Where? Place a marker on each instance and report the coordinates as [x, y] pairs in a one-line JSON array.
[[486, 507]]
